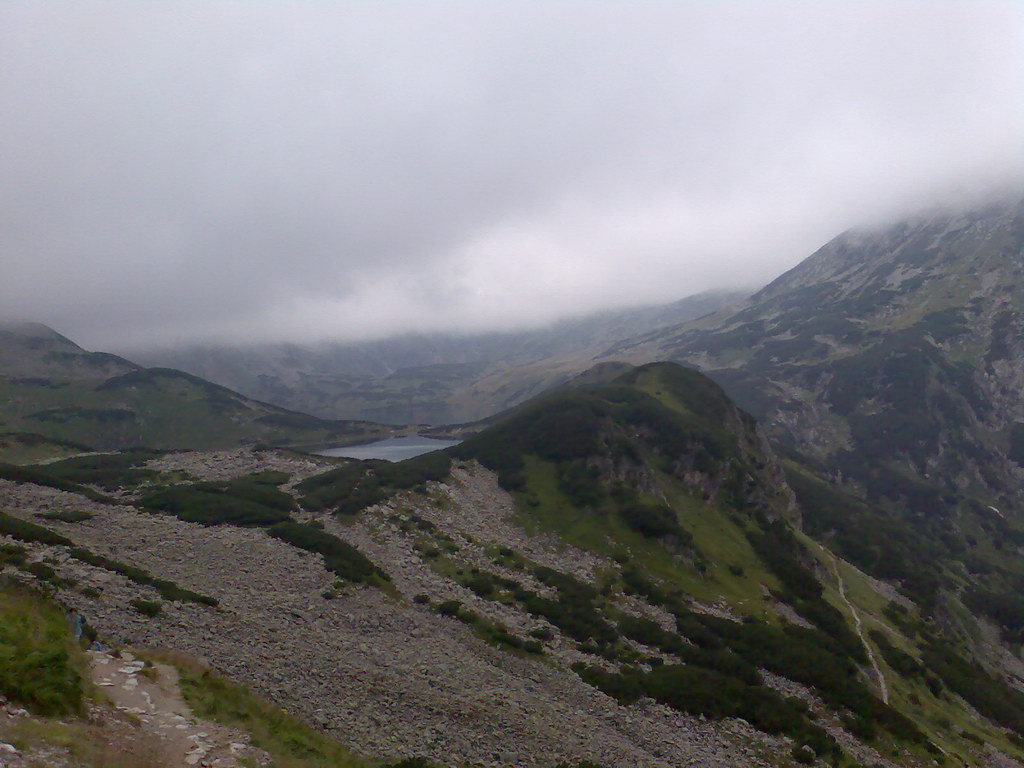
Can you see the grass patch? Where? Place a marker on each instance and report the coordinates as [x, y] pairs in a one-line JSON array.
[[246, 501], [110, 471], [41, 476], [292, 743], [359, 484], [41, 668], [90, 743]]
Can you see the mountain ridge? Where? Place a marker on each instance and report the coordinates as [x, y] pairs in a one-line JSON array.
[[52, 387], [418, 378]]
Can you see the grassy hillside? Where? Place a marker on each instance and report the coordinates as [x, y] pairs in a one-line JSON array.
[[656, 469], [41, 667], [161, 408]]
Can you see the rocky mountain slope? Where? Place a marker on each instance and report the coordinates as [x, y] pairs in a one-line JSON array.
[[421, 378], [615, 573], [53, 388], [888, 356]]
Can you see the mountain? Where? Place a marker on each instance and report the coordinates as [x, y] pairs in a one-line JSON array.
[[615, 573], [889, 357], [422, 378], [32, 350], [887, 369], [51, 387]]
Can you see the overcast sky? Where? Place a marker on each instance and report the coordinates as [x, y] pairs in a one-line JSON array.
[[174, 172]]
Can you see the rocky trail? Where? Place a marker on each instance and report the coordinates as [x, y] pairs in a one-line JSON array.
[[150, 693], [882, 687]]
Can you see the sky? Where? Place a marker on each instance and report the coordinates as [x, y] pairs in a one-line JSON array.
[[175, 173]]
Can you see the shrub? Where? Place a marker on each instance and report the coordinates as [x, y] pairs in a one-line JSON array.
[[654, 521], [360, 484], [69, 516], [573, 611], [12, 554], [149, 608], [650, 633], [240, 502], [449, 608], [109, 471], [25, 531], [340, 557], [168, 590], [41, 571], [39, 476]]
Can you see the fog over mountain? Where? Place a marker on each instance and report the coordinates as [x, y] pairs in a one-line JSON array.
[[194, 172]]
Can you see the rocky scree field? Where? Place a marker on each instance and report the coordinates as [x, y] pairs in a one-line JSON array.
[[614, 574]]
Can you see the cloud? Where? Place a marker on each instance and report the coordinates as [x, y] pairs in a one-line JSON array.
[[182, 172]]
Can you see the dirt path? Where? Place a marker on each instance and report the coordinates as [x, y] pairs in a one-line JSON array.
[[882, 687], [156, 701]]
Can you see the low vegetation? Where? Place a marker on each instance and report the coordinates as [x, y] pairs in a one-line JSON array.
[[253, 500], [291, 743], [29, 532], [109, 471], [39, 475], [40, 665], [360, 484], [340, 557]]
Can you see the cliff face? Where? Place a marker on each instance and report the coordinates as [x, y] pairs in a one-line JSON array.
[[888, 356]]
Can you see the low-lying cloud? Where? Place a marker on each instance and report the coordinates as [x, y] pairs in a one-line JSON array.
[[186, 172]]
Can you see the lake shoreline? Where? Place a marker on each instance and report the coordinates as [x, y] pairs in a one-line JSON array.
[[395, 448]]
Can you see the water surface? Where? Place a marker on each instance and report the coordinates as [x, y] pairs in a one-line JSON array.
[[392, 449]]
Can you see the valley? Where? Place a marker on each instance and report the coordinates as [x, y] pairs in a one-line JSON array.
[[808, 553]]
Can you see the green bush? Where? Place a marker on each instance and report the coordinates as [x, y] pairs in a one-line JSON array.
[[70, 516], [41, 668], [240, 502], [574, 610], [654, 521], [352, 487], [994, 699], [12, 554], [340, 557], [109, 471], [650, 633], [168, 590], [23, 530], [40, 476], [449, 608], [149, 608]]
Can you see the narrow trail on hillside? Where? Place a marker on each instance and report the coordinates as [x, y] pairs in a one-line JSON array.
[[156, 702], [860, 631]]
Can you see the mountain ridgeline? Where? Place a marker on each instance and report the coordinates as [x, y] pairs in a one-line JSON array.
[[809, 551], [53, 388], [423, 378], [891, 359]]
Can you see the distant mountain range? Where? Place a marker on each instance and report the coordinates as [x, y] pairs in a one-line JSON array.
[[420, 378], [50, 386]]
